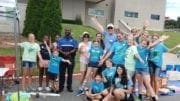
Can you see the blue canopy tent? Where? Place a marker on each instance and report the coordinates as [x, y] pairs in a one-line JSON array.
[[9, 11]]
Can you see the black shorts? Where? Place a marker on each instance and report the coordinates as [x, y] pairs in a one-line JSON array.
[[52, 76], [93, 64]]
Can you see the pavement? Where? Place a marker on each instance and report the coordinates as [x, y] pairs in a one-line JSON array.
[[66, 96]]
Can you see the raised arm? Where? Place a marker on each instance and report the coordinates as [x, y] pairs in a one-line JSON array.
[[172, 49], [12, 44], [97, 24], [161, 39], [104, 57]]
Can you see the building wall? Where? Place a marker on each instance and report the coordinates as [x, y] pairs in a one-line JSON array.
[[107, 6], [73, 8], [7, 25], [144, 8]]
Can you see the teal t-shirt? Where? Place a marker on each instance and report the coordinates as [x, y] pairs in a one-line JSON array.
[[143, 52], [118, 84], [130, 58], [156, 54], [109, 74], [30, 51], [118, 50], [97, 87], [95, 54], [54, 64]]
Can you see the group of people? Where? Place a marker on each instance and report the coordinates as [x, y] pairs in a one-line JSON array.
[[113, 61]]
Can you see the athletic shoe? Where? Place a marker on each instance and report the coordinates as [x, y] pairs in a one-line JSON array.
[[80, 92], [48, 89], [40, 89]]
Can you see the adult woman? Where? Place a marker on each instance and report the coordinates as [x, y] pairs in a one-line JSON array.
[[83, 49]]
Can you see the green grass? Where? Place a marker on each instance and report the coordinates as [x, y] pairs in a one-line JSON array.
[[77, 31], [173, 40]]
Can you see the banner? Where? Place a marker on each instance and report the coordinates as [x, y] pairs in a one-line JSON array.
[[8, 3]]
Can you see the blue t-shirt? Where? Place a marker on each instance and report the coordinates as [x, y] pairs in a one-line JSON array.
[[118, 84], [96, 87], [118, 50], [95, 54], [156, 54], [67, 44], [54, 64], [109, 74], [143, 52], [109, 39]]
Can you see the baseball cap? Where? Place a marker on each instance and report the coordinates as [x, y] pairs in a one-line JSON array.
[[110, 25]]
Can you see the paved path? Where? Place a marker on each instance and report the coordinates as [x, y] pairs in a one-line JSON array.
[[66, 96]]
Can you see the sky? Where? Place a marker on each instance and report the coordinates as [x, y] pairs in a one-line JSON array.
[[173, 8]]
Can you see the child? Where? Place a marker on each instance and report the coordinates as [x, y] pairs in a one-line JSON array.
[[121, 86], [131, 52], [44, 64], [53, 68], [96, 88], [95, 54], [108, 76], [142, 70]]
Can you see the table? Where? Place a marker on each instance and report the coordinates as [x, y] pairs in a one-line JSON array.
[[2, 74]]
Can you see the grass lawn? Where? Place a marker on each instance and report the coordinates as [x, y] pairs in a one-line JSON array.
[[77, 31]]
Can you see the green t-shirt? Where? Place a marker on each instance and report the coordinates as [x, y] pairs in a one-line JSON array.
[[30, 51], [130, 59]]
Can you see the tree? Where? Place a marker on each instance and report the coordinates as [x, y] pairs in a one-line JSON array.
[[51, 19], [33, 16], [170, 24], [178, 22]]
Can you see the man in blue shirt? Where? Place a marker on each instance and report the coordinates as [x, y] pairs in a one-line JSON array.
[[67, 46], [109, 35], [117, 51]]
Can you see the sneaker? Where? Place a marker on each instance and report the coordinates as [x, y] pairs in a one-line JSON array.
[[40, 88], [48, 89], [80, 92]]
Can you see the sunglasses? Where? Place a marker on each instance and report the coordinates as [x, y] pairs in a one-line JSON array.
[[86, 37], [110, 28]]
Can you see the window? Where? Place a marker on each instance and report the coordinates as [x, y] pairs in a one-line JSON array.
[[131, 14], [155, 17], [96, 12]]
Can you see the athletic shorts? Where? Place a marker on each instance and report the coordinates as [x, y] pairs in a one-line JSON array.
[[154, 69], [28, 64], [52, 76], [83, 66], [93, 64], [130, 74], [142, 71]]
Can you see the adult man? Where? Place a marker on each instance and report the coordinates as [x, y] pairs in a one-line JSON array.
[[67, 46], [109, 35]]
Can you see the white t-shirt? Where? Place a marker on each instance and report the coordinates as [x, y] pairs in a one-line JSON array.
[[84, 51]]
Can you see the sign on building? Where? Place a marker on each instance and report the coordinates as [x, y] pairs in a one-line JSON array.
[[95, 12]]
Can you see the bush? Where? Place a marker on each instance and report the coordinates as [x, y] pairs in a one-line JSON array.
[[43, 17], [51, 20]]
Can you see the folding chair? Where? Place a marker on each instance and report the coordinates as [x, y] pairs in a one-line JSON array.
[[8, 62], [177, 67]]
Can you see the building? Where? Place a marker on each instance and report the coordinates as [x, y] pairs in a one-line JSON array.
[[120, 12]]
